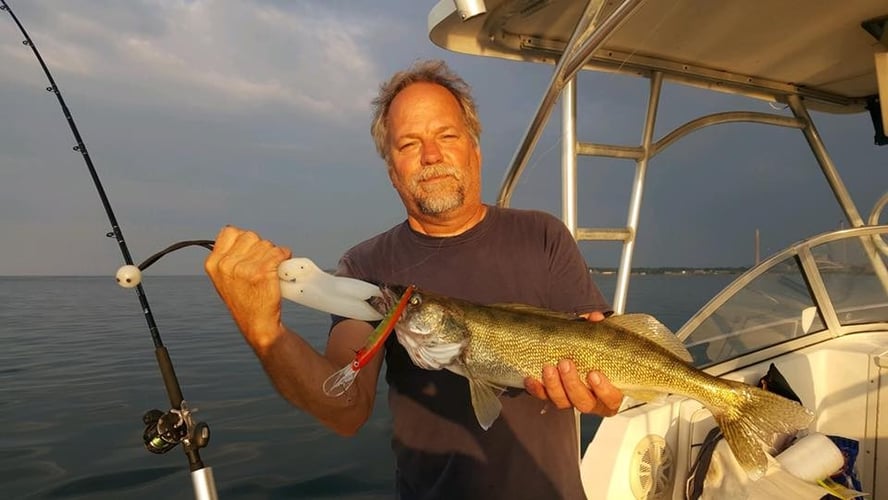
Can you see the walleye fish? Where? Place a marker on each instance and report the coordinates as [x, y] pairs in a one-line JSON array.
[[498, 346]]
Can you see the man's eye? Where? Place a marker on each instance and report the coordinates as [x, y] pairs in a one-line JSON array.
[[406, 146]]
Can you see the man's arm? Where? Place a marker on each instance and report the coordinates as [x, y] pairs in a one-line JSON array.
[[243, 268]]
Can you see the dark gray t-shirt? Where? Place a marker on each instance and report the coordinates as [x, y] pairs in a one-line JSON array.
[[513, 256]]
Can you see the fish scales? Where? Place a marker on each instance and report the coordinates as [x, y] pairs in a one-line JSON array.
[[627, 359]]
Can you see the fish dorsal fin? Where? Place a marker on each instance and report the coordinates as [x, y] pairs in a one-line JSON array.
[[542, 311], [649, 327]]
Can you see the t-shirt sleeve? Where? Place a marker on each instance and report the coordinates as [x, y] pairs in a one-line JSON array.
[[571, 287]]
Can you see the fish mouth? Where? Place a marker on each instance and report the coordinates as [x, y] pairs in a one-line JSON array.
[[390, 296]]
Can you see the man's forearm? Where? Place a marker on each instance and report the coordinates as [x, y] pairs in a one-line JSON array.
[[298, 373]]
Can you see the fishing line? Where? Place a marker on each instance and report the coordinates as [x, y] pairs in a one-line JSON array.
[[650, 34], [163, 430], [208, 244], [539, 158]]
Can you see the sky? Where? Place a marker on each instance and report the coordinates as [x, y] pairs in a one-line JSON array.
[[203, 113]]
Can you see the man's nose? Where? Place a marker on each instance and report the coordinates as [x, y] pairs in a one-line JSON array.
[[431, 153]]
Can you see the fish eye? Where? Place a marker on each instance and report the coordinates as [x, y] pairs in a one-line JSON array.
[[415, 300]]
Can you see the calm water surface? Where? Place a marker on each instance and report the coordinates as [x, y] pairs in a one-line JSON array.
[[77, 371]]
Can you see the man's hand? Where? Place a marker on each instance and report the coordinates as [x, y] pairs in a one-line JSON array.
[[243, 268], [563, 387]]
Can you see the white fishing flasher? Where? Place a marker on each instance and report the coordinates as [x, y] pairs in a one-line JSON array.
[[303, 282]]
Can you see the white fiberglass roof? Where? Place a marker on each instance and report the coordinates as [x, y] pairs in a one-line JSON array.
[[815, 47]]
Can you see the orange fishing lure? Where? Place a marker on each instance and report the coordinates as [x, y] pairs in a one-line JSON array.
[[339, 382]]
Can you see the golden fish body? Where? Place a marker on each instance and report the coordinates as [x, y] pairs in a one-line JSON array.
[[498, 346]]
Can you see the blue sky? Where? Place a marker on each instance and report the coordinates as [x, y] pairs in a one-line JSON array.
[[204, 113]]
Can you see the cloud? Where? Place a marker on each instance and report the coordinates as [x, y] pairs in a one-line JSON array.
[[209, 54]]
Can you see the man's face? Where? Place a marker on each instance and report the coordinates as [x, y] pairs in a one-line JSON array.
[[435, 164]]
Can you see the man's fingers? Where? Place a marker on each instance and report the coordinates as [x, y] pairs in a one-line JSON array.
[[609, 397], [244, 243], [564, 387], [224, 239], [554, 387], [272, 256], [242, 258], [228, 236], [594, 316], [579, 395], [535, 388]]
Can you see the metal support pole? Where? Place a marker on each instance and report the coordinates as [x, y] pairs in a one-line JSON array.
[[569, 156], [622, 288]]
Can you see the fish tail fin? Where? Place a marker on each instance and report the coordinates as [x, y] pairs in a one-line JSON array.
[[754, 416]]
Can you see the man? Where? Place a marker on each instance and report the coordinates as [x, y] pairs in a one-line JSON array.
[[426, 129]]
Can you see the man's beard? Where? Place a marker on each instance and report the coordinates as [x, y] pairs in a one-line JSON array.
[[450, 195]]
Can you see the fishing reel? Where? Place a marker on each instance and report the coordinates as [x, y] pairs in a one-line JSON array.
[[163, 431]]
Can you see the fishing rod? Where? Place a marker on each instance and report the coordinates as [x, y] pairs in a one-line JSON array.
[[163, 430]]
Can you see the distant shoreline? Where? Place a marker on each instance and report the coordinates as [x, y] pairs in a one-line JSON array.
[[672, 271]]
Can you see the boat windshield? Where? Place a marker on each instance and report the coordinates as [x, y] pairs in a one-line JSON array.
[[798, 293]]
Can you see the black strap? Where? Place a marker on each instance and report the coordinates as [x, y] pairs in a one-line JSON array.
[[694, 486]]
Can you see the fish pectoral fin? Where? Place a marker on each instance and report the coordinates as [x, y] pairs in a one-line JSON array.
[[485, 401], [650, 328]]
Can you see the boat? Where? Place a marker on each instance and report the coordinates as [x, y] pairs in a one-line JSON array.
[[817, 310]]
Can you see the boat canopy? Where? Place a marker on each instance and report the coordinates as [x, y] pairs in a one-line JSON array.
[[816, 49]]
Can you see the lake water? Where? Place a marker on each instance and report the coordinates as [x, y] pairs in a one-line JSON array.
[[77, 372]]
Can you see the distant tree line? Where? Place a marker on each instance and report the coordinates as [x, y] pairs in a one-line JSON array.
[[672, 270]]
